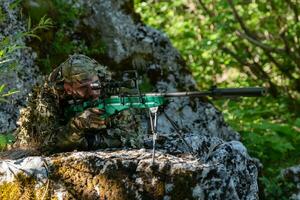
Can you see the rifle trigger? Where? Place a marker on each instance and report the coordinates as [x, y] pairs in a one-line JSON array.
[[122, 99]]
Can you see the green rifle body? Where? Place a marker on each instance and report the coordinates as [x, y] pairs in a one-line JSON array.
[[115, 104]]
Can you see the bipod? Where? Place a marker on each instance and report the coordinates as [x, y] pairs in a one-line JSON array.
[[180, 134], [153, 123]]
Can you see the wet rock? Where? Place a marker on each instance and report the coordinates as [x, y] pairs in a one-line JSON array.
[[129, 174]]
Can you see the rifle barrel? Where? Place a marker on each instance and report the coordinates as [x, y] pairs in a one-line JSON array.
[[217, 92]]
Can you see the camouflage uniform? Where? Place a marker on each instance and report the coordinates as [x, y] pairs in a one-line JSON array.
[[43, 126]]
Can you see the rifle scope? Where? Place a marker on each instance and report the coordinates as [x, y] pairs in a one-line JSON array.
[[113, 84]]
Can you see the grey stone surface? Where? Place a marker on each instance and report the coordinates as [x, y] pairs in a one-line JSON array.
[[24, 75], [227, 173]]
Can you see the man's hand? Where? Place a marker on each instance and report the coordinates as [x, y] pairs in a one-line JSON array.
[[89, 119], [92, 118]]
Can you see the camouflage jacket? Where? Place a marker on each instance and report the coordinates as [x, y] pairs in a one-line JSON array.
[[44, 127]]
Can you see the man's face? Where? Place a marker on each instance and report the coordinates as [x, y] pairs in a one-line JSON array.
[[82, 89]]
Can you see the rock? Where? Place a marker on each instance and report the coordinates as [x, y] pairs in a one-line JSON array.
[[129, 174], [293, 174], [24, 75]]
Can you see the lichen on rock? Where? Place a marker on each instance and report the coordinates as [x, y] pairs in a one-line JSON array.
[[25, 73], [129, 174]]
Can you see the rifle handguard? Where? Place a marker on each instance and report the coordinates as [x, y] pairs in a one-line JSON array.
[[217, 92]]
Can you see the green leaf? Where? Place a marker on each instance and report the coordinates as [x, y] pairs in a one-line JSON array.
[[9, 93], [297, 122], [14, 4], [280, 144], [6, 139], [29, 23], [32, 35], [2, 87]]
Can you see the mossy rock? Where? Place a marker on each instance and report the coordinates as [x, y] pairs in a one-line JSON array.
[[23, 187]]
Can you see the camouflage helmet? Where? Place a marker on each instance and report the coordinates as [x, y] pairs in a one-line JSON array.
[[78, 67]]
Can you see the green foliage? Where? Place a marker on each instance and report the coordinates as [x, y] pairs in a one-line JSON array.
[[6, 139], [271, 138], [14, 4], [2, 142], [2, 16], [256, 38], [271, 133], [277, 187], [146, 85], [4, 95], [44, 24], [244, 43], [8, 45], [66, 37]]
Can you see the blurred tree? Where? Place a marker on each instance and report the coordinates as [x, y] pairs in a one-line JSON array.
[[244, 43], [258, 38]]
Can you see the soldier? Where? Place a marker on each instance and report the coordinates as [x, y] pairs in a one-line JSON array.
[[43, 126]]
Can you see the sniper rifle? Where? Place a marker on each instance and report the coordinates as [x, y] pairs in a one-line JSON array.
[[115, 101]]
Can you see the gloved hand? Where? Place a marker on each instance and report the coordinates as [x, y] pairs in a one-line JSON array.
[[74, 134], [88, 119], [91, 118]]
